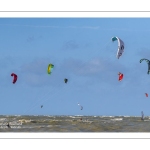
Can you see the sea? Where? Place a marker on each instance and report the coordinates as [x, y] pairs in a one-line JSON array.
[[77, 123]]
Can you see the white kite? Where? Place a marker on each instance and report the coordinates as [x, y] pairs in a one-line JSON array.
[[120, 46], [80, 106]]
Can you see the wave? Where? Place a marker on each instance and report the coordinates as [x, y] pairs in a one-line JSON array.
[[3, 119], [106, 116], [117, 119]]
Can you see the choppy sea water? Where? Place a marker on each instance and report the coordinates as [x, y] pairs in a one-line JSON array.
[[74, 124]]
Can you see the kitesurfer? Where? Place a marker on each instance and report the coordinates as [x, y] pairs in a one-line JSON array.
[[142, 118], [8, 125]]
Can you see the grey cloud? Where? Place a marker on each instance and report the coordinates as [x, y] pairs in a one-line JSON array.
[[70, 45], [30, 39], [95, 71], [35, 74], [6, 61], [92, 67], [144, 53], [33, 38], [37, 66]]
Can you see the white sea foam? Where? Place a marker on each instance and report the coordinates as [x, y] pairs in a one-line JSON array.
[[117, 119], [72, 117], [3, 119], [25, 121], [107, 116]]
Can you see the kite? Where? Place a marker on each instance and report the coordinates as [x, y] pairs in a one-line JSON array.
[[65, 80], [148, 62], [120, 76], [146, 94], [15, 78], [120, 46], [50, 68], [81, 107]]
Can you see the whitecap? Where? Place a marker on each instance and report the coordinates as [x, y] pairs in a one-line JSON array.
[[117, 119]]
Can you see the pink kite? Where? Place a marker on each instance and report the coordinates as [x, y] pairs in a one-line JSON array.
[[15, 78]]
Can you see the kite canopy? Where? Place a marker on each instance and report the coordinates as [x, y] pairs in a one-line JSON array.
[[15, 78], [50, 68], [120, 46], [114, 38], [146, 94], [65, 80], [148, 62], [81, 107], [120, 76]]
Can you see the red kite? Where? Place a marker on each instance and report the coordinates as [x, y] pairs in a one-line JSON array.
[[15, 78], [120, 76], [146, 94]]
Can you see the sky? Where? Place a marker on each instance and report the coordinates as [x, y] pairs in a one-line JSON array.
[[81, 50]]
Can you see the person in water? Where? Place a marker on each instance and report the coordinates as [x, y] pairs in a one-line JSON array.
[[142, 118], [8, 125]]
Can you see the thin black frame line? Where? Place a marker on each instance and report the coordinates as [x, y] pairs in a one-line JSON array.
[[76, 11], [79, 138]]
